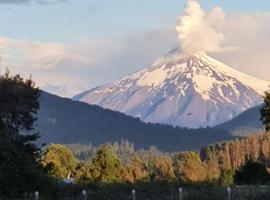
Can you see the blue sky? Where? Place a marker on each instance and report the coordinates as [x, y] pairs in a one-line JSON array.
[[78, 19], [72, 45]]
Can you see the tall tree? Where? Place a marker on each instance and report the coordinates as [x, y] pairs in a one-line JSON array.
[[19, 169], [19, 102], [265, 111], [106, 167]]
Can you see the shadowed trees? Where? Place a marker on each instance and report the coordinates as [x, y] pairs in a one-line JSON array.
[[265, 111], [252, 173], [19, 168]]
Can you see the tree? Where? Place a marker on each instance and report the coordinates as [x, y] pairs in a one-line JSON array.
[[163, 169], [58, 161], [226, 177], [19, 168], [213, 171], [106, 167], [265, 111], [252, 173], [19, 103], [189, 167], [135, 170], [83, 174]]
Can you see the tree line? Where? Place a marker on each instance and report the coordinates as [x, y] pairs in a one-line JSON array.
[[219, 164]]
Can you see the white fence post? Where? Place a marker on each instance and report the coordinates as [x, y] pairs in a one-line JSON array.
[[229, 193], [36, 195], [84, 194], [133, 195], [180, 193]]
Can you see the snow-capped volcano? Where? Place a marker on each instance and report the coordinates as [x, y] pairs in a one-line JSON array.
[[184, 90]]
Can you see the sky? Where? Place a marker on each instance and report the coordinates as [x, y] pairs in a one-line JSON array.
[[70, 46]]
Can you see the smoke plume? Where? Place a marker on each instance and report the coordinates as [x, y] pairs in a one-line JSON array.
[[198, 29]]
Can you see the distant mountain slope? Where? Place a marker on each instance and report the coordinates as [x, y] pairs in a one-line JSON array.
[[245, 123], [182, 90], [65, 121]]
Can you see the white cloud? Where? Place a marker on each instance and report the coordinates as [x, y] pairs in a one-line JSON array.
[[250, 33], [197, 29], [67, 69], [43, 60], [31, 54]]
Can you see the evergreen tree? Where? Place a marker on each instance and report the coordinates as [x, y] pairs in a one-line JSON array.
[[19, 168], [265, 111]]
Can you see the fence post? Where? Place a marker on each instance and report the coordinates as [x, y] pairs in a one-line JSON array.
[[133, 195], [36, 195], [229, 193], [84, 194], [180, 193]]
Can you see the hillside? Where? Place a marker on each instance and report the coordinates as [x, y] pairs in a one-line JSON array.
[[65, 121], [244, 124]]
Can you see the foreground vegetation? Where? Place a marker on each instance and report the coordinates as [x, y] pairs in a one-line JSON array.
[[242, 161], [112, 170]]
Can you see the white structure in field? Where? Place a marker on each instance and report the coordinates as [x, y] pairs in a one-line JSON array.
[[69, 180]]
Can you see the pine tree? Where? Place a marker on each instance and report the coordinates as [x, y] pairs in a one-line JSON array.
[[19, 168], [265, 111]]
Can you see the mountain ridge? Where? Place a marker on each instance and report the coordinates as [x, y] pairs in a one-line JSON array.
[[62, 120]]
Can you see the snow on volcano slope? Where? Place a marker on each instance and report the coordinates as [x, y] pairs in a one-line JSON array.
[[188, 91]]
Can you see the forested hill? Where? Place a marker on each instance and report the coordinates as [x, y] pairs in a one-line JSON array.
[[245, 123], [62, 120]]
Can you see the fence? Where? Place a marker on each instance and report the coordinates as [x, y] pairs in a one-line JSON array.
[[189, 193]]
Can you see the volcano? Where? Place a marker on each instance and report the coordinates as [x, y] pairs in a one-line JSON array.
[[181, 90]]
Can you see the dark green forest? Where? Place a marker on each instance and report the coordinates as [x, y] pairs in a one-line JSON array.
[[61, 120]]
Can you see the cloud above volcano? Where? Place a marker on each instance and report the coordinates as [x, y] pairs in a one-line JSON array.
[[198, 29]]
